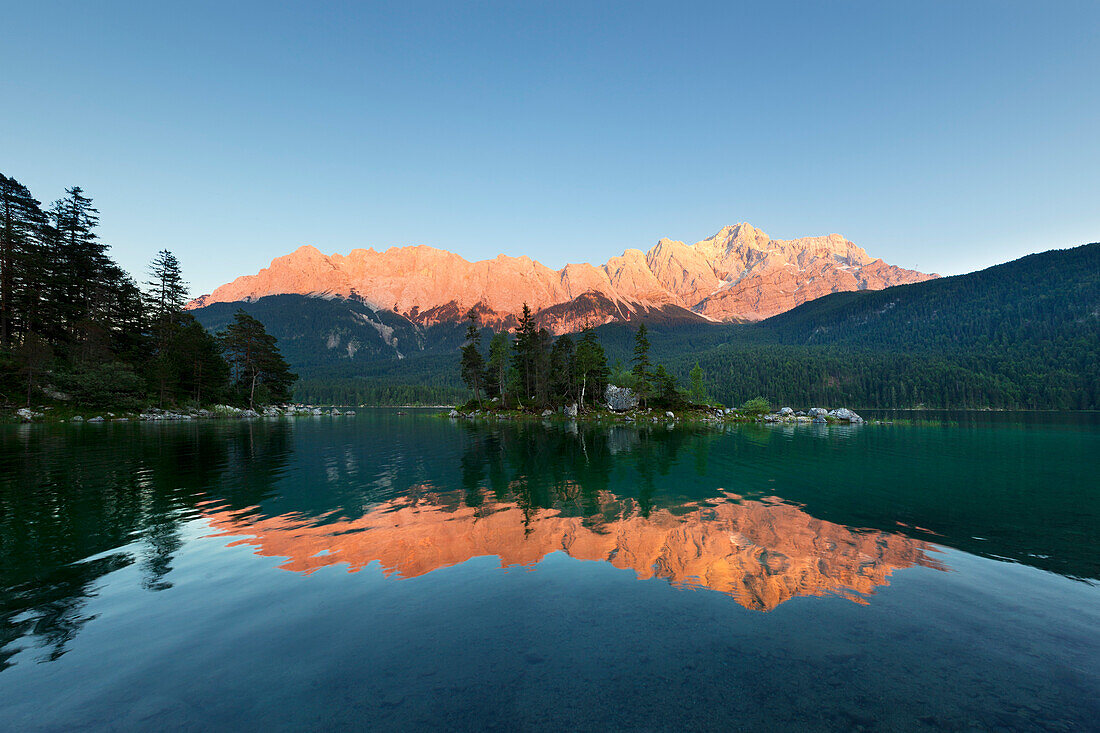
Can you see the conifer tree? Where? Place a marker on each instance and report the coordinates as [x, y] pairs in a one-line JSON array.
[[698, 389], [641, 371], [543, 345], [203, 372], [496, 371], [563, 368], [21, 227], [525, 353], [255, 361], [664, 384], [473, 365], [79, 269], [166, 291]]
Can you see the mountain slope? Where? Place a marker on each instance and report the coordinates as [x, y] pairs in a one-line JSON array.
[[1050, 295], [739, 274], [1022, 334]]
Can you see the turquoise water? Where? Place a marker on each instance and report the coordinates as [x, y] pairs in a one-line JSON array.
[[407, 572]]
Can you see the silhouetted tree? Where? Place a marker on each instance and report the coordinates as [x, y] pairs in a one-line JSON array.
[[21, 227], [255, 360]]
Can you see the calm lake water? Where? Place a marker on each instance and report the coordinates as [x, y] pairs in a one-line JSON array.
[[392, 572]]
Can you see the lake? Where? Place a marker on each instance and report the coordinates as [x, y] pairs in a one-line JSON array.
[[395, 571]]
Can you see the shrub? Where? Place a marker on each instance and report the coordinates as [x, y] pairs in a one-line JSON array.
[[756, 406]]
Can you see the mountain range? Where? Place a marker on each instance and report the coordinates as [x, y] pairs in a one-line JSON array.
[[1022, 334], [738, 275]]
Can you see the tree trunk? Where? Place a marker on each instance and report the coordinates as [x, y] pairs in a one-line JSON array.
[[252, 392]]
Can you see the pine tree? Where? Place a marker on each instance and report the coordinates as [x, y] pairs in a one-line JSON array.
[[496, 371], [473, 365], [203, 372], [524, 353], [166, 291], [664, 384], [21, 227], [165, 295], [641, 371], [255, 361], [698, 388], [79, 269], [543, 345], [563, 369]]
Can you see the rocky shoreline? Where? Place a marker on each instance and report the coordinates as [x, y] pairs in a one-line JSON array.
[[48, 414], [621, 404], [815, 415]]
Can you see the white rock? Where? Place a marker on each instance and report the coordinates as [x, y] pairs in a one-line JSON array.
[[786, 411], [843, 413], [620, 398]]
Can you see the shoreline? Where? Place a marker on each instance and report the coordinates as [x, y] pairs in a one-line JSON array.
[[54, 415], [656, 415]]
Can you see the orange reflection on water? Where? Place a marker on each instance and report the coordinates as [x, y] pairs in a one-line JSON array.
[[758, 553]]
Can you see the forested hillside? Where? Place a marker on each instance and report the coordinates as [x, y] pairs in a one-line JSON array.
[[1022, 334], [1025, 334]]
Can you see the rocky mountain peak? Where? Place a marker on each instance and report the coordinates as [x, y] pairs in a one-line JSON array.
[[739, 273]]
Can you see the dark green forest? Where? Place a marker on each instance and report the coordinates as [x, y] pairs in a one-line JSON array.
[[77, 330]]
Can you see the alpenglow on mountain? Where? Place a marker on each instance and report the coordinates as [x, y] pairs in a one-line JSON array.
[[739, 274]]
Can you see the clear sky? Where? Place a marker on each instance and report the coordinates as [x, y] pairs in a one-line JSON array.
[[941, 135]]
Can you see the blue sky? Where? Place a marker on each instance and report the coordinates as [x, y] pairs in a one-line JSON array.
[[945, 136]]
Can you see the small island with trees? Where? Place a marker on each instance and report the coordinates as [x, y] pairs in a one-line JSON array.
[[533, 374]]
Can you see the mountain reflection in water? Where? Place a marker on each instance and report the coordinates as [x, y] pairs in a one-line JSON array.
[[760, 515], [758, 553]]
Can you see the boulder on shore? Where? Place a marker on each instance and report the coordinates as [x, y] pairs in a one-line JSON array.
[[817, 411], [620, 398], [570, 410], [843, 413], [786, 411]]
